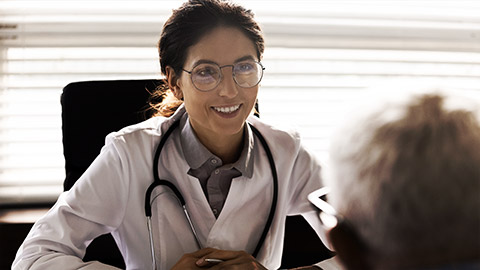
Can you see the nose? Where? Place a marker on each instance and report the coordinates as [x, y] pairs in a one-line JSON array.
[[227, 87]]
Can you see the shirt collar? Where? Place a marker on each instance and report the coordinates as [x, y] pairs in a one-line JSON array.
[[196, 154]]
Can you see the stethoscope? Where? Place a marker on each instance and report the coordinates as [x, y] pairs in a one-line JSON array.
[[157, 182]]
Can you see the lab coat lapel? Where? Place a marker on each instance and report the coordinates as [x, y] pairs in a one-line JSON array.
[[196, 202], [197, 205], [245, 212], [173, 167], [243, 216]]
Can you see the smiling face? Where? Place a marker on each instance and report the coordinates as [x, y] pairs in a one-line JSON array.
[[219, 113]]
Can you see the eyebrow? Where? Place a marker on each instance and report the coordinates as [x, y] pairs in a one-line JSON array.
[[205, 61]]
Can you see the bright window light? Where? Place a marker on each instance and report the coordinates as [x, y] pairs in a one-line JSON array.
[[320, 57]]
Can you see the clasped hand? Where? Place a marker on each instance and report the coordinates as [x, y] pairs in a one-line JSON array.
[[231, 260]]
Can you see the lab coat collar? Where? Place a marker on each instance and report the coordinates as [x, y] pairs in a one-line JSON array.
[[194, 151], [172, 119]]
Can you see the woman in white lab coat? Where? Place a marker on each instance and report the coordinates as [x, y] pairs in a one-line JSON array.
[[210, 53]]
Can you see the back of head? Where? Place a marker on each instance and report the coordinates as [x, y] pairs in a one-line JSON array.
[[406, 175]]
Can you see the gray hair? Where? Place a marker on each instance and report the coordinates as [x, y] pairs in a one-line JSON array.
[[406, 175]]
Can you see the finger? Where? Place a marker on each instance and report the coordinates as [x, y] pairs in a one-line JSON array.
[[208, 262], [188, 260], [202, 262], [216, 256], [202, 252], [224, 257]]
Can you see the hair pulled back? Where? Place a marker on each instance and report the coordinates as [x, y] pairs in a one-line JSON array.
[[185, 27]]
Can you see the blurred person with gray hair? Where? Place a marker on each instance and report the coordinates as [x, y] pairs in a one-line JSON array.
[[404, 185]]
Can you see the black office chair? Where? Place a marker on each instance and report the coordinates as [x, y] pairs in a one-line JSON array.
[[92, 109]]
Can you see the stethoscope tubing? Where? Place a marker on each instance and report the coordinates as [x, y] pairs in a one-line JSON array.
[[273, 207], [150, 238], [157, 181]]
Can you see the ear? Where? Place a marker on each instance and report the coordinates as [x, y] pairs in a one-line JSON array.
[[349, 247], [172, 81]]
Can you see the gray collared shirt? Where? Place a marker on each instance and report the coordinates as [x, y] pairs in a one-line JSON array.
[[214, 176]]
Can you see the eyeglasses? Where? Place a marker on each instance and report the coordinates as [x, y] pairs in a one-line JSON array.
[[328, 215], [206, 76]]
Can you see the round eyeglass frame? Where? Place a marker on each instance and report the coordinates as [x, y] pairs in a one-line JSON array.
[[262, 68]]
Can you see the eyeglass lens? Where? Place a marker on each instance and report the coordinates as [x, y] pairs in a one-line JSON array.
[[207, 76]]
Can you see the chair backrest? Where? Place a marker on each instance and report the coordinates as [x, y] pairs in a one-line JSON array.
[[92, 109]]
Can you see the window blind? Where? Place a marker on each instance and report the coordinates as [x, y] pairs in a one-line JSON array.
[[320, 56]]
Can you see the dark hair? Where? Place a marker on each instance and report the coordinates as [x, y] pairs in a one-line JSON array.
[[186, 26]]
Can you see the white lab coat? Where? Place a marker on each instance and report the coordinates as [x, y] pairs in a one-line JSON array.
[[109, 197]]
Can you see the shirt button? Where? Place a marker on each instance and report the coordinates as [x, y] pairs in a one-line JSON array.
[[217, 171], [214, 161], [215, 211]]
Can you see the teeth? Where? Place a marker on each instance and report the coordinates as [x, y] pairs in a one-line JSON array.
[[227, 109]]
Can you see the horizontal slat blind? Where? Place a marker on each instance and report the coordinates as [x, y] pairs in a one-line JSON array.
[[320, 56]]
